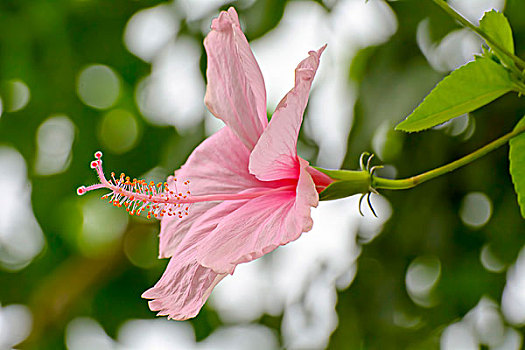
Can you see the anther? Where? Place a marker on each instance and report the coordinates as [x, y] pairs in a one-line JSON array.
[[136, 196]]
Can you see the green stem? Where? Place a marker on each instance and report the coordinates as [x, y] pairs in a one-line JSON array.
[[402, 184], [450, 11]]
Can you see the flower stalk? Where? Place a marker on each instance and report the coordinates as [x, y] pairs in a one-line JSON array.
[[349, 182], [403, 184]]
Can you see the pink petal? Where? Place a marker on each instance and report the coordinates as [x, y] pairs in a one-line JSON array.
[[205, 224], [275, 154], [259, 226], [185, 285], [307, 195], [217, 165], [182, 290], [235, 92]]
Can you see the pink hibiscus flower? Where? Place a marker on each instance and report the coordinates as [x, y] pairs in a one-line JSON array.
[[250, 191]]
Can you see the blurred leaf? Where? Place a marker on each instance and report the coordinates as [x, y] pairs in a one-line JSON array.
[[386, 143], [496, 25], [360, 62], [263, 16], [467, 88], [517, 166]]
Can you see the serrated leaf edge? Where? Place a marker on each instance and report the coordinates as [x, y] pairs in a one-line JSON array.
[[400, 128], [515, 183]]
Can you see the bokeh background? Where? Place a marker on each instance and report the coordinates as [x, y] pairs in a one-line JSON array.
[[442, 267]]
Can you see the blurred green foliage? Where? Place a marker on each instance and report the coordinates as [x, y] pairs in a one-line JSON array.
[[46, 43]]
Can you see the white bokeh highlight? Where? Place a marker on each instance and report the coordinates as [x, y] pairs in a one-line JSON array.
[[19, 95], [513, 298], [459, 46], [54, 140], [512, 340], [86, 334], [458, 336], [21, 237], [98, 86], [490, 261], [473, 10], [481, 326], [454, 50], [173, 94], [486, 322], [156, 334], [149, 30], [240, 337], [422, 277], [476, 209], [194, 10], [15, 325]]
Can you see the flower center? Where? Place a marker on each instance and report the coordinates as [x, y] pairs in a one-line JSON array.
[[159, 200]]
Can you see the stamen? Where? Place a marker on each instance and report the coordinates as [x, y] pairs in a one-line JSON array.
[[138, 196]]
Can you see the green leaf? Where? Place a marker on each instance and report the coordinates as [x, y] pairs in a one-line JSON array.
[[497, 27], [467, 88], [517, 165]]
